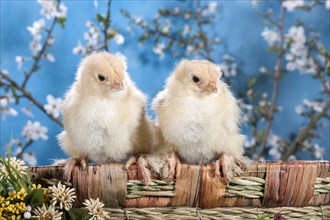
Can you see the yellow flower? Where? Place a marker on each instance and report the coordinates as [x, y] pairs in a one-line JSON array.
[[34, 186]]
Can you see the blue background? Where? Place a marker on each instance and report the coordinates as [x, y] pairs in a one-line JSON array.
[[240, 27]]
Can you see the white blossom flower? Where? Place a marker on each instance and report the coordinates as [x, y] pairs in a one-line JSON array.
[[34, 131], [297, 35], [27, 111], [327, 4], [270, 36], [44, 213], [249, 142], [159, 49], [211, 8], [263, 69], [166, 28], [30, 158], [187, 15], [62, 195], [292, 157], [190, 49], [49, 57], [96, 4], [51, 9], [227, 57], [255, 3], [315, 105], [299, 109], [95, 209], [50, 41], [35, 45], [229, 70], [291, 5], [176, 10], [217, 40], [53, 106], [92, 36], [318, 151], [186, 29], [5, 109], [37, 27], [79, 49], [138, 19], [119, 39], [18, 164], [19, 60]]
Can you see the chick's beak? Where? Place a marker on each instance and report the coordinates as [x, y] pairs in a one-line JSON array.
[[118, 85], [212, 88]]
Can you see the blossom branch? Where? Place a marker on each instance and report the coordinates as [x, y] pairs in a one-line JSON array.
[[294, 146], [27, 95], [106, 26], [20, 154], [277, 77]]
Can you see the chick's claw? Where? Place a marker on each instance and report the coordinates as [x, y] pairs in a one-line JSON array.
[[220, 168], [71, 165], [162, 166]]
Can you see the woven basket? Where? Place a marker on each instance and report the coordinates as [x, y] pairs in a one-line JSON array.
[[198, 194]]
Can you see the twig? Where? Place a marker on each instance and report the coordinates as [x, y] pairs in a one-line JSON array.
[[27, 95], [39, 55], [278, 74], [106, 26], [294, 146], [20, 154]]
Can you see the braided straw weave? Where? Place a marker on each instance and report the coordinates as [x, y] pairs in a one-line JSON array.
[[310, 213], [266, 184]]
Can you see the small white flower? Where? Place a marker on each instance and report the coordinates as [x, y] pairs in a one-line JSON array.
[[255, 3], [95, 209], [318, 151], [292, 157], [62, 195], [273, 140], [34, 131], [249, 142], [291, 5], [27, 111], [176, 10], [19, 60], [18, 164], [37, 27], [227, 57], [51, 9], [270, 36], [50, 41], [262, 69], [35, 45], [274, 152], [79, 49], [327, 4], [119, 39], [189, 49], [5, 109], [138, 19], [28, 208], [186, 29], [44, 213], [30, 158], [53, 106], [166, 28], [27, 215], [159, 49], [5, 72], [217, 39], [210, 9], [299, 109], [49, 57], [187, 15]]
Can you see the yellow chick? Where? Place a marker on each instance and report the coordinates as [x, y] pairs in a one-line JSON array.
[[104, 114], [199, 118]]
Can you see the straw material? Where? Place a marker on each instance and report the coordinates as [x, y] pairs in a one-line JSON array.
[[279, 184], [308, 213]]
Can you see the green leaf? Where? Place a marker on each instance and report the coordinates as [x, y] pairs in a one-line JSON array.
[[78, 214], [35, 198], [100, 18], [61, 21]]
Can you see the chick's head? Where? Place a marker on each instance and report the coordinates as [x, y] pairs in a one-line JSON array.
[[102, 73], [198, 76]]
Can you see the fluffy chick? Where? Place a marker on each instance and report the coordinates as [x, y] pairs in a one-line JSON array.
[[199, 118], [104, 114]]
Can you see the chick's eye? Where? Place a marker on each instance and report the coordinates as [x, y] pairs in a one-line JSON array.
[[101, 78], [195, 79]]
